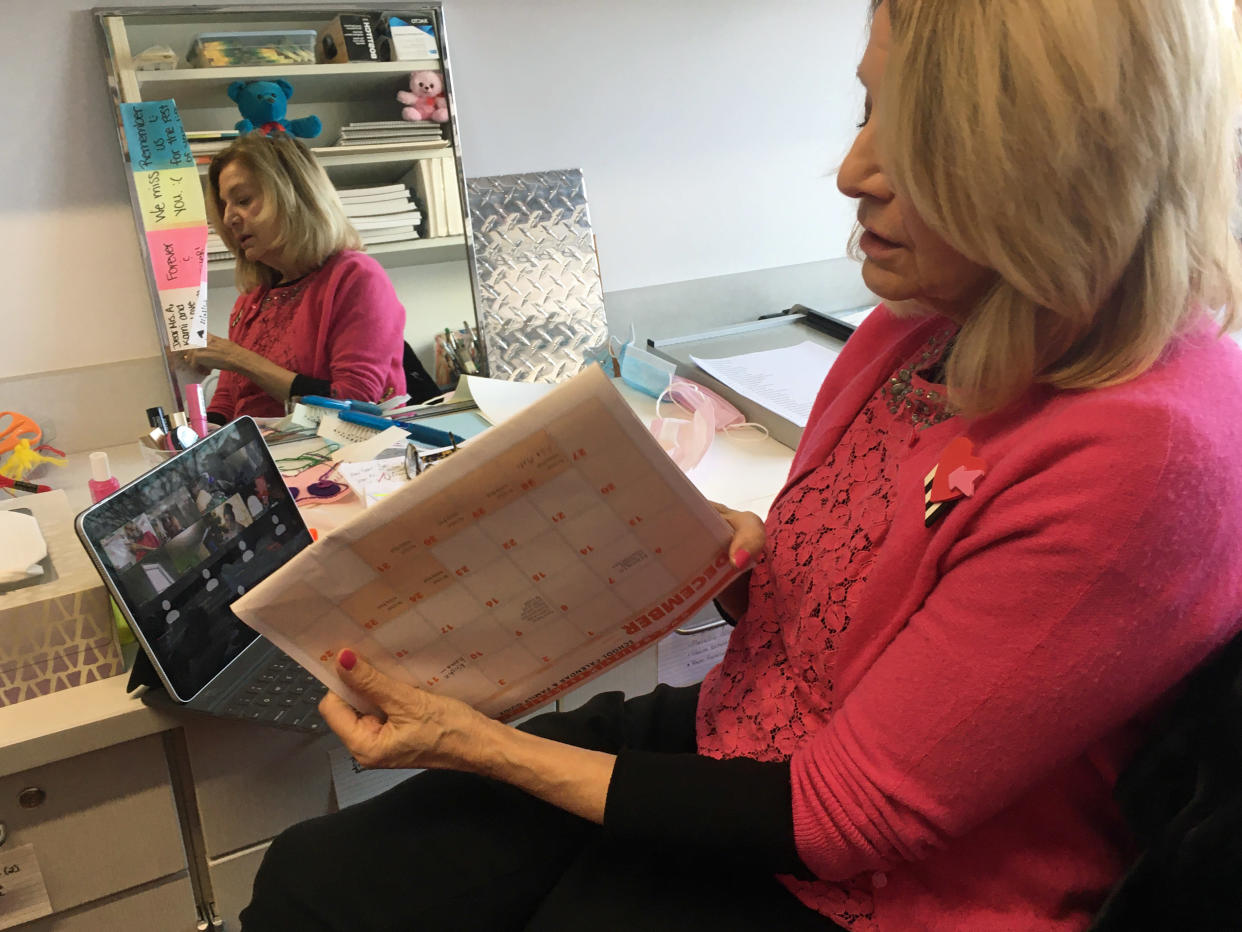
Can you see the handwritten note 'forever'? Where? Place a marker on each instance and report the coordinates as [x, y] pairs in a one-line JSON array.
[[174, 216]]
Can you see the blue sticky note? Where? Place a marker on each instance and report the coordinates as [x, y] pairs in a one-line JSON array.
[[155, 136]]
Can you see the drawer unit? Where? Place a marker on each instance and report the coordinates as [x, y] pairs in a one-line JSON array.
[[232, 879], [254, 781], [100, 823], [166, 906]]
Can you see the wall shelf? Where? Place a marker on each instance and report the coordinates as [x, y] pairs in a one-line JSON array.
[[207, 87], [389, 255]]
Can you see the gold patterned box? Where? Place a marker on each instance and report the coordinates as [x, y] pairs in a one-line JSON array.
[[58, 632]]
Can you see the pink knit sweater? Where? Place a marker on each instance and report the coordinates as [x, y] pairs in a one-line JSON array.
[[954, 749], [341, 323]]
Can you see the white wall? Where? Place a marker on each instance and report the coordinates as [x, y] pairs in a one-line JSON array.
[[707, 131]]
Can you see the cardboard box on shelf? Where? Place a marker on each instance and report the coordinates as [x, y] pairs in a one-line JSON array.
[[408, 38], [347, 38], [57, 632]]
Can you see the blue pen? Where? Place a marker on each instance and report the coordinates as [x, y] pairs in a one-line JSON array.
[[419, 432], [340, 404]]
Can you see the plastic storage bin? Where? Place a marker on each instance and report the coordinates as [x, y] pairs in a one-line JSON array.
[[269, 47]]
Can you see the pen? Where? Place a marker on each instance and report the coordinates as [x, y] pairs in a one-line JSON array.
[[420, 432], [340, 404], [22, 486]]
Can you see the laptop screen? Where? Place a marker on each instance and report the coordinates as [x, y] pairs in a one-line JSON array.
[[186, 539]]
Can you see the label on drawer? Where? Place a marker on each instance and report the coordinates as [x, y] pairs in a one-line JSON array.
[[23, 895]]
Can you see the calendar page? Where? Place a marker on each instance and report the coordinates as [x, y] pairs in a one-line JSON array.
[[548, 549]]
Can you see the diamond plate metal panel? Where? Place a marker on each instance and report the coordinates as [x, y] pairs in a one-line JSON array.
[[537, 284]]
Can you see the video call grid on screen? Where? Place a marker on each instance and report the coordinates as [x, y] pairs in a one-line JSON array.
[[190, 537]]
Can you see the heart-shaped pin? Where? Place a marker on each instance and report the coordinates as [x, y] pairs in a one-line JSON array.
[[957, 471]]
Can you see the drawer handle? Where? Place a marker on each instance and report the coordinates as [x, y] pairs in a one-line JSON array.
[[31, 797]]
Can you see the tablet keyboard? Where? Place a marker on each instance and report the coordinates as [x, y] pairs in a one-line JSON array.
[[282, 694]]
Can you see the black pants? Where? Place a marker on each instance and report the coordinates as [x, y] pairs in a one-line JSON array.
[[447, 851]]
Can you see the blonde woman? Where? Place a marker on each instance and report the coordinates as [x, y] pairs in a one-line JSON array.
[[1011, 529], [315, 315]]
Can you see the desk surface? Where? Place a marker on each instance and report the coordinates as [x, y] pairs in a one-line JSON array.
[[743, 470]]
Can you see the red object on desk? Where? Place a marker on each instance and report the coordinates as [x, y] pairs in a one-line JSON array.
[[22, 486]]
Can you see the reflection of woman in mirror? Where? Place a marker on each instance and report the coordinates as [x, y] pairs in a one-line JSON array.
[[315, 317]]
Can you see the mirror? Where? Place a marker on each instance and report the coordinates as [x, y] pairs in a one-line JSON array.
[[193, 55]]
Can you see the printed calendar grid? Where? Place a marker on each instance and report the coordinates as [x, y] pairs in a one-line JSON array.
[[504, 588]]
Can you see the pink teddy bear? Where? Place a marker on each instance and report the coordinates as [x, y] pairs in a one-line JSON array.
[[425, 98]]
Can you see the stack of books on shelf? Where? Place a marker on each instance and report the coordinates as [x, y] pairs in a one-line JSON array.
[[435, 183], [382, 214], [206, 143], [216, 250], [391, 135]]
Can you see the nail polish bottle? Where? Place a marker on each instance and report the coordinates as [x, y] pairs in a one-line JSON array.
[[102, 483]]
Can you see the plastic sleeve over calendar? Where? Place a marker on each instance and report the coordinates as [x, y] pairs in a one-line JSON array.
[[546, 551]]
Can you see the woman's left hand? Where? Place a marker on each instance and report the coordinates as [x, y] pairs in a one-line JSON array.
[[418, 728], [219, 353]]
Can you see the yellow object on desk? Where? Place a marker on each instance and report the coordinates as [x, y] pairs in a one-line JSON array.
[[24, 459]]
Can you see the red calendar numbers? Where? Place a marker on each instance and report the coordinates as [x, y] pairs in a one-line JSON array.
[[462, 570], [370, 623], [517, 634], [536, 577], [476, 654], [609, 488], [564, 607], [383, 567], [478, 513], [445, 629], [585, 550], [416, 597], [546, 659], [526, 485], [433, 681], [509, 544], [500, 682], [327, 655], [636, 520], [492, 603], [430, 540], [579, 454], [558, 517]]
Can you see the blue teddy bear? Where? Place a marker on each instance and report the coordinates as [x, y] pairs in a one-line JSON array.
[[263, 104]]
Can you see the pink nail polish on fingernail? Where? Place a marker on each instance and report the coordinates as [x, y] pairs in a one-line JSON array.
[[347, 659], [741, 558]]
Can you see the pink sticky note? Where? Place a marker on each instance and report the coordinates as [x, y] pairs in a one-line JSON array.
[[178, 256]]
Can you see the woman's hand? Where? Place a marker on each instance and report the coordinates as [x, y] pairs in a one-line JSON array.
[[418, 728], [748, 540], [421, 729], [219, 353], [748, 534]]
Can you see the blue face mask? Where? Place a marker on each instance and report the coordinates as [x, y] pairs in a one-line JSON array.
[[645, 371]]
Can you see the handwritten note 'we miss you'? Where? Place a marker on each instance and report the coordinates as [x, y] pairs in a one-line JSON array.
[[174, 216]]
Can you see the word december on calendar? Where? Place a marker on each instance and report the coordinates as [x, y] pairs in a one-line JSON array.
[[547, 550]]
